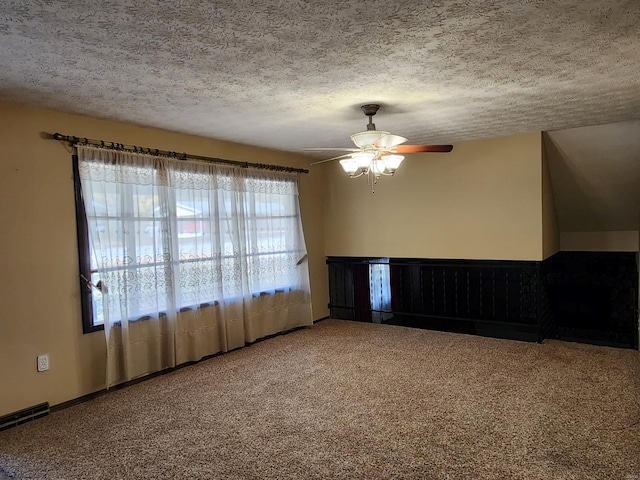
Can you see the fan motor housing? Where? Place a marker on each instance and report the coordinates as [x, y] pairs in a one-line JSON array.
[[370, 109]]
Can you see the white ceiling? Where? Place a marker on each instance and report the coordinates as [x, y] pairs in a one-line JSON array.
[[292, 73]]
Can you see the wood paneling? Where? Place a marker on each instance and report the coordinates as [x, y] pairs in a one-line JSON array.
[[580, 296]]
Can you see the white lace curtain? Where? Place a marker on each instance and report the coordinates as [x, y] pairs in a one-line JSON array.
[[380, 290], [191, 258]]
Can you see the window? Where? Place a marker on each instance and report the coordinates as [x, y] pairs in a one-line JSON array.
[[160, 247], [380, 290]]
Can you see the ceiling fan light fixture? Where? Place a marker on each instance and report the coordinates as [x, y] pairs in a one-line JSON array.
[[377, 152], [363, 159], [368, 138], [390, 141], [349, 165], [392, 162], [378, 167]]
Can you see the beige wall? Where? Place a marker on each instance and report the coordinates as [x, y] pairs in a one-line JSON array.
[[481, 201], [622, 241], [550, 230], [39, 299]]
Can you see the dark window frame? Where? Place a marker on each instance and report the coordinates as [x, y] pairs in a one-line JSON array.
[[84, 260]]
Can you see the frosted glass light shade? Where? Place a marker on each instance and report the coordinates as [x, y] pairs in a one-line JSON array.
[[392, 162], [363, 159], [349, 165], [378, 166], [368, 138]]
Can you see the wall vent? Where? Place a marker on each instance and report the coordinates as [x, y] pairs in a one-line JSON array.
[[24, 416]]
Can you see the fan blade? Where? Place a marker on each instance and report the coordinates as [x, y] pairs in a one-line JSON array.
[[332, 159], [389, 141], [331, 149], [423, 148]]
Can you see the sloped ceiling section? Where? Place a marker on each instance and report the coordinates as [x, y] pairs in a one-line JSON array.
[[289, 74], [595, 173]]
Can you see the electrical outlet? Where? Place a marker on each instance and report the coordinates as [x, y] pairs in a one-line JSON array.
[[43, 362]]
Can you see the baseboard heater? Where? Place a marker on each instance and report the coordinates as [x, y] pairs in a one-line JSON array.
[[24, 416]]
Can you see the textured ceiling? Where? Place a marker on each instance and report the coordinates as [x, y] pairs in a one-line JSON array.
[[291, 73]]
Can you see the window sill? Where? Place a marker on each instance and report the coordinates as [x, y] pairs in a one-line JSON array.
[[93, 328]]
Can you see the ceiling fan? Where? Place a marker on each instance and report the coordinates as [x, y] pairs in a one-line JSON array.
[[378, 152]]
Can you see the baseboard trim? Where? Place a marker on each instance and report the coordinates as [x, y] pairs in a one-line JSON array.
[[25, 415], [321, 319]]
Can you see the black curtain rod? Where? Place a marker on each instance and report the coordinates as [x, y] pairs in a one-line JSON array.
[[73, 141]]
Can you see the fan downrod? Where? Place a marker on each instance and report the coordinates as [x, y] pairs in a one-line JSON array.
[[370, 110]]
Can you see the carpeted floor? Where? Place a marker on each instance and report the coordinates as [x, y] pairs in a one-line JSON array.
[[350, 400]]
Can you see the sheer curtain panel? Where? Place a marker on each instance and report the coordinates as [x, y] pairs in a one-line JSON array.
[[380, 290], [189, 259]]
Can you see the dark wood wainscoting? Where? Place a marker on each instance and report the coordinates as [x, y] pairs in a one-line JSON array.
[[498, 298], [506, 299], [594, 297]]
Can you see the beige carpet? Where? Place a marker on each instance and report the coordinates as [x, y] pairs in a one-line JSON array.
[[350, 400]]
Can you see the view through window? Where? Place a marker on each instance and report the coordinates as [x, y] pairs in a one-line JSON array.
[[195, 242]]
